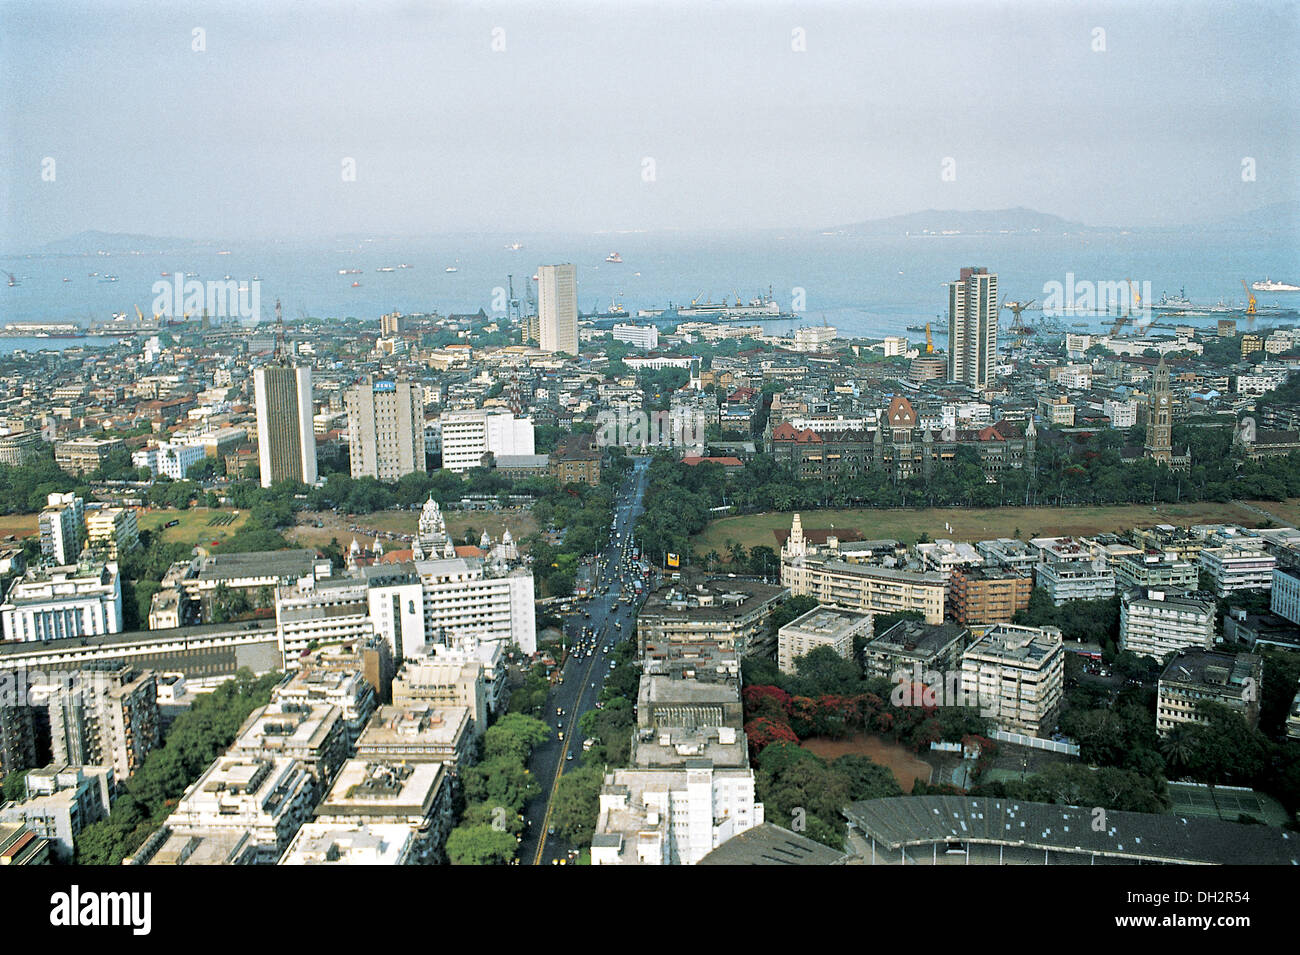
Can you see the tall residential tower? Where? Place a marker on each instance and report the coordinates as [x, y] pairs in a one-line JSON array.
[[973, 328]]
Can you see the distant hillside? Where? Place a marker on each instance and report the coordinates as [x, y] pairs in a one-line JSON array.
[[1280, 217], [977, 222], [90, 242]]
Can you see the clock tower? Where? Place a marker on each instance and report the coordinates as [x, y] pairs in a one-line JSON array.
[[1159, 444]]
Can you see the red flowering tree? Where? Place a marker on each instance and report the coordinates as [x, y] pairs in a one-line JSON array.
[[770, 701], [763, 732]]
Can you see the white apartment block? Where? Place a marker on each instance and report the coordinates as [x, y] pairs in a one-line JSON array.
[[672, 817], [1285, 597], [642, 336], [1068, 569], [468, 435], [268, 799], [1122, 414], [64, 602], [62, 526], [1155, 623], [1075, 377], [324, 843], [821, 627], [1018, 676], [169, 459], [1238, 567]]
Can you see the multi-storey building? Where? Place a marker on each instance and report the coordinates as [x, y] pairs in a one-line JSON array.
[[909, 647], [62, 525], [386, 429], [1236, 567], [353, 843], [1201, 676], [1070, 569], [169, 459], [394, 792], [733, 613], [421, 733], [1155, 623], [819, 572], [1157, 570], [313, 734], [821, 627], [987, 594], [19, 447], [112, 530], [64, 602], [266, 799], [469, 436], [444, 680], [108, 716], [557, 308], [1284, 599], [973, 328], [672, 816], [1018, 676], [286, 440], [62, 801]]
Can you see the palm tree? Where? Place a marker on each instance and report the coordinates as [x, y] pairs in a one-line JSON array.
[[1178, 749]]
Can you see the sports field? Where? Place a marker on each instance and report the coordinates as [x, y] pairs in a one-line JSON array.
[[907, 524], [197, 525]]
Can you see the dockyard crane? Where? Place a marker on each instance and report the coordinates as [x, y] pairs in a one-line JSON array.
[[929, 341], [1019, 327], [1250, 300]]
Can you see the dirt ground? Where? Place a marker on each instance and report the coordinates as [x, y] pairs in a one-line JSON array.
[[900, 761]]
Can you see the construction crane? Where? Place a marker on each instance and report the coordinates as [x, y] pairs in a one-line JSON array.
[[139, 315], [1250, 300], [1019, 327]]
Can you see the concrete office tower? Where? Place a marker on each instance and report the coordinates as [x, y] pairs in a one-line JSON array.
[[557, 308], [973, 328], [386, 429], [286, 442]]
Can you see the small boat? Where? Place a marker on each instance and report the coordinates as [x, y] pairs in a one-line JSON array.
[[356, 285], [451, 268], [67, 280], [614, 257], [514, 246], [349, 271], [405, 266], [166, 275], [385, 268]]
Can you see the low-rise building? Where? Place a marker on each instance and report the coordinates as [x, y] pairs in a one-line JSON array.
[[267, 799], [1018, 676], [1236, 567], [987, 594], [1199, 676], [1163, 571], [1155, 622], [60, 802], [821, 627], [733, 613], [910, 646]]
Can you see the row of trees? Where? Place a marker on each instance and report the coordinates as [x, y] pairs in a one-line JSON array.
[[496, 790], [198, 737]]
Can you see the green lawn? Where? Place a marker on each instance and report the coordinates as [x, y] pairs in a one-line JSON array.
[[194, 526]]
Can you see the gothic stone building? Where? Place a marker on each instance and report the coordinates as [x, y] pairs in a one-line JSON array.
[[900, 446]]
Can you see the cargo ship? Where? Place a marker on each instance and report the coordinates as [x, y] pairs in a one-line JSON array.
[[761, 308]]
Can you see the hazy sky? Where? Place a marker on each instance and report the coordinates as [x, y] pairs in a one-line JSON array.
[[248, 137]]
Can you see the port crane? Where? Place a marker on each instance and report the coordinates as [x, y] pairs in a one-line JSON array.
[[1250, 300], [1019, 327], [929, 340]]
